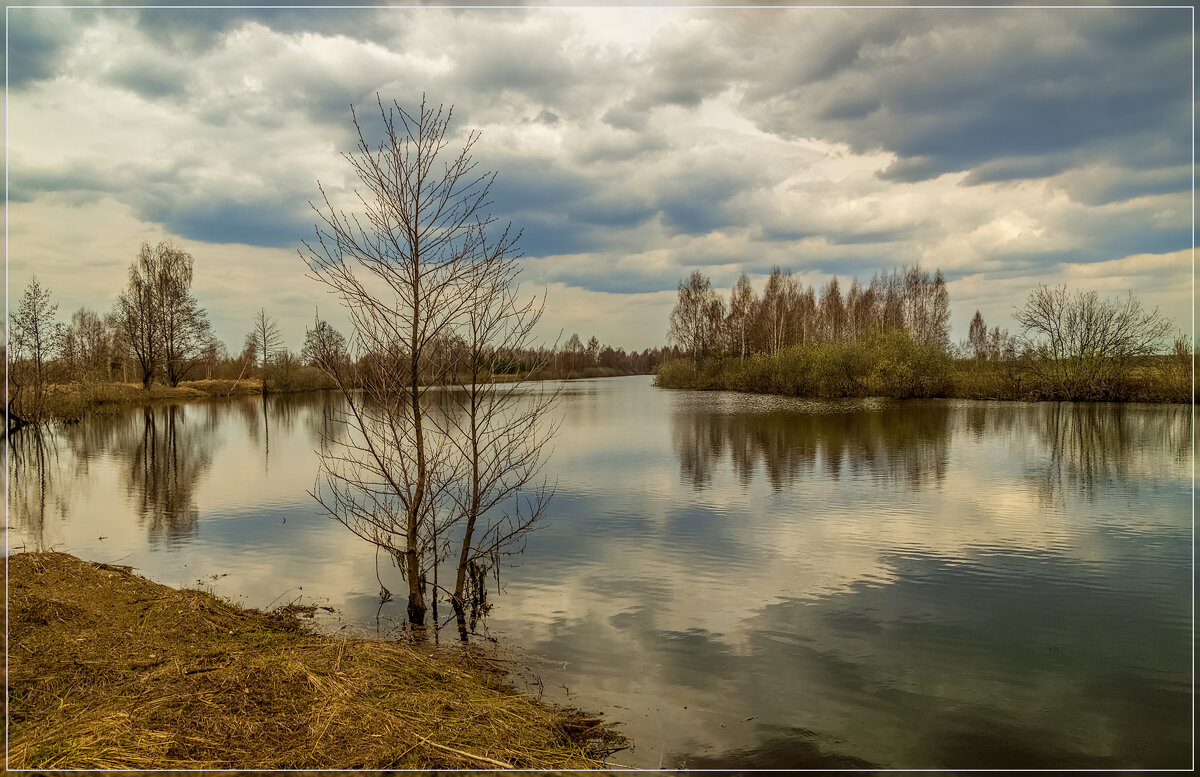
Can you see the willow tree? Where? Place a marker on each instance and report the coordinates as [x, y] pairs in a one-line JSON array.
[[408, 268]]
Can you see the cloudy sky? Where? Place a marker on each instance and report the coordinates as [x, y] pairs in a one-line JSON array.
[[1007, 147]]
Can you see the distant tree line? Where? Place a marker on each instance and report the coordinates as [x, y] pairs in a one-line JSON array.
[[158, 333], [575, 359], [891, 337]]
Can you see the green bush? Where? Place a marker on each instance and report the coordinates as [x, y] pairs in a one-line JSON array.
[[905, 369], [677, 373], [892, 364]]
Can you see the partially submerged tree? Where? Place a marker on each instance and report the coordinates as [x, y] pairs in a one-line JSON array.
[[408, 269], [499, 429]]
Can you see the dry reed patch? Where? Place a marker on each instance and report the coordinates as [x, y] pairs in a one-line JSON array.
[[223, 387], [72, 401], [110, 670]]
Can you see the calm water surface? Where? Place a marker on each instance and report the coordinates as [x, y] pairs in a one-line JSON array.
[[741, 581]]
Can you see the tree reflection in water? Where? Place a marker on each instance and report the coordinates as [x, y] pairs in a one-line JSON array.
[[165, 449], [908, 444], [34, 465], [1092, 446], [1079, 447], [166, 462]]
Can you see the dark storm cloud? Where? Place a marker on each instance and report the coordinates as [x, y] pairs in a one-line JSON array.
[[1124, 236], [684, 68], [606, 276], [548, 235], [149, 78], [562, 212], [195, 30], [251, 223], [870, 236], [1023, 91], [625, 147], [36, 38], [1103, 186]]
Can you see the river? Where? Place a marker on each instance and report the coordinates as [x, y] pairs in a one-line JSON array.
[[741, 581]]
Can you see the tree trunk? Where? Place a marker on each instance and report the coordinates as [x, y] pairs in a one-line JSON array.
[[15, 422], [416, 595], [465, 554]]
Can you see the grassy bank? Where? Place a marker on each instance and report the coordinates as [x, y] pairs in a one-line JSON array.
[[894, 366], [72, 401], [108, 670]]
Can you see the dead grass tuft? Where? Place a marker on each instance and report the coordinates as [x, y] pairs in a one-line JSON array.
[[108, 670]]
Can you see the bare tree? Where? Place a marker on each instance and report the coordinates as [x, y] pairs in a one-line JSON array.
[[739, 322], [400, 268], [593, 351], [926, 307], [284, 366], [324, 346], [1084, 346], [136, 313], [34, 338], [888, 292], [832, 312], [858, 311], [184, 324], [86, 346], [573, 351], [775, 310], [212, 354], [977, 337], [159, 319], [697, 320], [500, 429], [263, 342]]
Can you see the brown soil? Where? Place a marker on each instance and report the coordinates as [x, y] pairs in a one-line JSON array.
[[108, 670]]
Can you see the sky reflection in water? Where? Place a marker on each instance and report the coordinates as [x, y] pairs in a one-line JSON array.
[[743, 581]]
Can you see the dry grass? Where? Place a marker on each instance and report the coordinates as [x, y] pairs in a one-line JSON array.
[[109, 670], [71, 401], [223, 387]]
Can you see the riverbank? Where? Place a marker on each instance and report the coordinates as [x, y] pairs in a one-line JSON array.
[[108, 670], [904, 370], [69, 402]]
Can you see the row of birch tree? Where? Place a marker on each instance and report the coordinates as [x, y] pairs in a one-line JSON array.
[[788, 313]]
